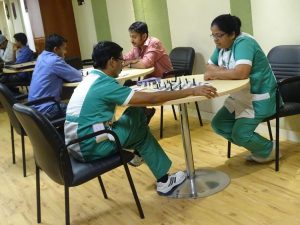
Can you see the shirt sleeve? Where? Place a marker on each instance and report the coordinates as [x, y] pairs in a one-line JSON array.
[[153, 52], [24, 55], [129, 55], [244, 52], [214, 57], [119, 94], [66, 72]]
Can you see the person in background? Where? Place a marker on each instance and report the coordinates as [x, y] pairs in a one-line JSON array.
[[7, 54], [21, 54], [92, 106], [147, 52], [239, 56], [50, 72]]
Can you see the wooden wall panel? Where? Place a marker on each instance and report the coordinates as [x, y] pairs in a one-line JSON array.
[[58, 17]]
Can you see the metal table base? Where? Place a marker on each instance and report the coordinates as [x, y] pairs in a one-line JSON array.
[[199, 183], [204, 183]]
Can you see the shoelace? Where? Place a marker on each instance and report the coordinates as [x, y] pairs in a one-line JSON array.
[[172, 181]]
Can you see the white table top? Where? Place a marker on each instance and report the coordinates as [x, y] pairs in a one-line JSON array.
[[126, 74], [223, 87]]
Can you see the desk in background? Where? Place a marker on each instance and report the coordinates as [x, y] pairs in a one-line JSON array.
[[126, 74]]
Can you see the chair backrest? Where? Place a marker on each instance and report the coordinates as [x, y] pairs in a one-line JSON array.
[[7, 100], [74, 62], [285, 61], [49, 149], [182, 58]]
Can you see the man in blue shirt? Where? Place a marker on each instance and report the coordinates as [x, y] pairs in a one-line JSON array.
[[50, 72], [21, 53]]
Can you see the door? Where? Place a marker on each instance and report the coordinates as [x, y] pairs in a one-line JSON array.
[[58, 17]]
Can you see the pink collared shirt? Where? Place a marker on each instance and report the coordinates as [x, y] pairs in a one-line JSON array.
[[152, 53]]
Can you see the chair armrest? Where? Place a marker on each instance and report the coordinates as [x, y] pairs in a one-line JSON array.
[[41, 101], [288, 80], [87, 62], [21, 97], [175, 73], [74, 141], [58, 122]]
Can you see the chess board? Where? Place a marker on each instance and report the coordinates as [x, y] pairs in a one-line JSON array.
[[171, 84]]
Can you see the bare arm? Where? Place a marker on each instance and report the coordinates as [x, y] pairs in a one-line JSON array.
[[144, 98], [214, 72]]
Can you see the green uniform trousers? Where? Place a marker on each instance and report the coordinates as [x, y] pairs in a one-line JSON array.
[[241, 132], [134, 133]]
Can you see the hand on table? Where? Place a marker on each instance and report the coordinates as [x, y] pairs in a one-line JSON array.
[[205, 90]]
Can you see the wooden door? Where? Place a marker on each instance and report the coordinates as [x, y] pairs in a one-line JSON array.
[[58, 17]]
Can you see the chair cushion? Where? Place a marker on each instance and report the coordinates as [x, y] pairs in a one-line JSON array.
[[84, 171], [289, 109]]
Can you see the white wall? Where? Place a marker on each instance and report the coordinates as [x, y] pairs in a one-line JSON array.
[[190, 26], [27, 26], [85, 26], [35, 18], [120, 16], [276, 22]]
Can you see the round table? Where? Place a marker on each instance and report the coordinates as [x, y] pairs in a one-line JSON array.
[[126, 74], [200, 182]]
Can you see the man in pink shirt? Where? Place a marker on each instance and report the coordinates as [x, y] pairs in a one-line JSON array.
[[147, 51]]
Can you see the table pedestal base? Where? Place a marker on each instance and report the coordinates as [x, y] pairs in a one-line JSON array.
[[204, 183]]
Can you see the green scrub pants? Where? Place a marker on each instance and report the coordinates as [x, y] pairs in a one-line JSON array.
[[134, 133], [241, 132]]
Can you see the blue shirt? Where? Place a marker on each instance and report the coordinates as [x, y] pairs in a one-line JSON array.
[[24, 54], [50, 72]]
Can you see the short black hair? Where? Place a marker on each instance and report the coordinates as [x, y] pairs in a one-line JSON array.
[[21, 37], [54, 40], [104, 51], [228, 24], [139, 27]]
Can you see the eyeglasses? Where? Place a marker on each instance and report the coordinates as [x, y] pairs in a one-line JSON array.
[[119, 58], [217, 36]]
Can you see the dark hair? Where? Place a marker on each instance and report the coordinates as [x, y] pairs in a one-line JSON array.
[[228, 24], [104, 51], [139, 27], [54, 40], [21, 37]]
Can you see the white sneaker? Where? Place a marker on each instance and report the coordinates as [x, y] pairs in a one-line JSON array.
[[136, 161], [173, 181], [270, 158]]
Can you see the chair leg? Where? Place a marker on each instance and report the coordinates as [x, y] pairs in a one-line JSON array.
[[23, 153], [270, 130], [67, 205], [199, 115], [38, 194], [174, 112], [136, 198], [277, 145], [161, 121], [228, 149], [102, 187], [12, 138]]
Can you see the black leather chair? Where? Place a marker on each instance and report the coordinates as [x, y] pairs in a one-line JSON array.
[[51, 156], [182, 59], [87, 62], [74, 62], [7, 99], [285, 63]]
